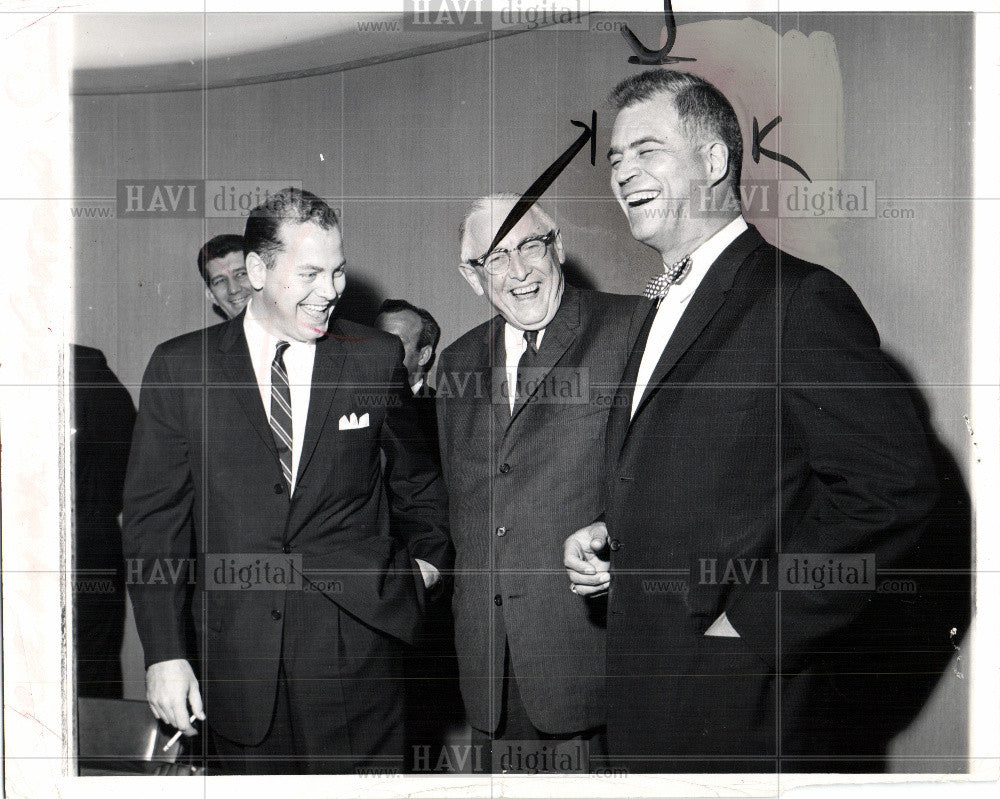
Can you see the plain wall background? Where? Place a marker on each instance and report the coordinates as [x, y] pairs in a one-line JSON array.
[[401, 147]]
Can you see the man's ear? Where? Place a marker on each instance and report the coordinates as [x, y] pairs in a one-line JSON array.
[[717, 162], [256, 270], [559, 248], [471, 275], [425, 355], [210, 296]]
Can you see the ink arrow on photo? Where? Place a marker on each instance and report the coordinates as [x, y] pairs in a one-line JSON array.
[[547, 178], [758, 151], [643, 55]]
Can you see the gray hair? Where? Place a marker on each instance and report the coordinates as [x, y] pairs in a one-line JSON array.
[[485, 205]]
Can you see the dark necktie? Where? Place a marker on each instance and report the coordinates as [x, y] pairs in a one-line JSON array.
[[527, 361], [658, 287], [281, 411]]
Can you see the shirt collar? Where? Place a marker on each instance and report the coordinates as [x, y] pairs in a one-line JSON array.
[[514, 337], [259, 338], [417, 386]]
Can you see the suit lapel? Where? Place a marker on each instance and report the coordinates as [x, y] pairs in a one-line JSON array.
[[559, 334], [331, 353], [495, 375], [239, 374], [705, 303], [621, 408]]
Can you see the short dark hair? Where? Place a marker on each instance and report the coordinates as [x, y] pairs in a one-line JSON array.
[[288, 205], [430, 330], [217, 247], [702, 108]]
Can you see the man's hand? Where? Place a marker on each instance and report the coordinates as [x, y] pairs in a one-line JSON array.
[[588, 573], [429, 572], [170, 687]]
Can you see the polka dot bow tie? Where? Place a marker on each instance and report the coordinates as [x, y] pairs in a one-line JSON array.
[[658, 287]]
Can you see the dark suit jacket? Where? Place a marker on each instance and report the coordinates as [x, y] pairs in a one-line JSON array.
[[203, 455], [535, 477], [772, 424], [427, 415], [103, 416]]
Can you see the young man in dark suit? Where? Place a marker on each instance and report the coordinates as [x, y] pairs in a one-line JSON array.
[[761, 433], [264, 436], [523, 401]]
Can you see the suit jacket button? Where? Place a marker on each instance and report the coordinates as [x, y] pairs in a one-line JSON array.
[[279, 488], [498, 600], [504, 468], [501, 531], [275, 614], [286, 548], [615, 544]]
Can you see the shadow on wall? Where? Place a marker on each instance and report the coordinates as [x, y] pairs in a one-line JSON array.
[[577, 275], [361, 300], [920, 616]]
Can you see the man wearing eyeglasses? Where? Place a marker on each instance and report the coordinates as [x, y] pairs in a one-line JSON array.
[[523, 400]]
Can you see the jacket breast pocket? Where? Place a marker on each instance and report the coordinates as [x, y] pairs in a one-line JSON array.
[[355, 422]]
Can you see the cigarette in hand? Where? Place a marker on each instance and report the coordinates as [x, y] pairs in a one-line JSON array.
[[176, 736]]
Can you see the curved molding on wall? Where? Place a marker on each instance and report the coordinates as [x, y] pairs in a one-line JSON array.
[[354, 43]]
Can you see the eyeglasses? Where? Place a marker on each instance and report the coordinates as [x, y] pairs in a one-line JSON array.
[[530, 251]]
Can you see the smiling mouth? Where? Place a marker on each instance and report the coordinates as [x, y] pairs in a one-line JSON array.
[[317, 312], [523, 292], [640, 198]]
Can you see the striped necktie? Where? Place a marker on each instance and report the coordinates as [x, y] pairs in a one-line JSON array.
[[281, 411]]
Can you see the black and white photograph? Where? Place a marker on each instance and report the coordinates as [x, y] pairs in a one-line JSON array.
[[488, 398]]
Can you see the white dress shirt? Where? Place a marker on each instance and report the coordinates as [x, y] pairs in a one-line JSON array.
[[298, 359], [515, 345], [673, 305], [668, 314]]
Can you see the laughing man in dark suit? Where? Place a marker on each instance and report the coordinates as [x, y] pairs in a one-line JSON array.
[[265, 436], [760, 426], [522, 462]]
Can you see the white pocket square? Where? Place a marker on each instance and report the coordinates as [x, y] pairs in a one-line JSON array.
[[722, 628], [353, 422]]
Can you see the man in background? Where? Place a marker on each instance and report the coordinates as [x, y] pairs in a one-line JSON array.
[[523, 402], [419, 332], [434, 706], [221, 266]]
